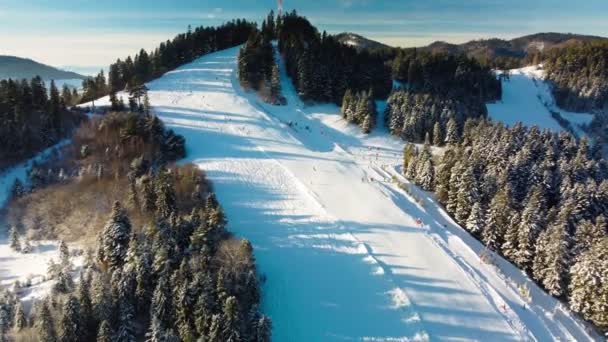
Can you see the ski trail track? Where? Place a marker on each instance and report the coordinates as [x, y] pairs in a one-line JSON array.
[[344, 258]]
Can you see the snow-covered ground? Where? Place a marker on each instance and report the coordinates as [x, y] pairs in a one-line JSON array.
[[339, 243], [527, 98], [26, 267]]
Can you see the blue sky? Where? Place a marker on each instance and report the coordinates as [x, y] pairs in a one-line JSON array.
[[94, 33]]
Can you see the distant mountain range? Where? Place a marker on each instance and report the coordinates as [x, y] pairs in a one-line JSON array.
[[18, 68], [359, 41], [516, 48]]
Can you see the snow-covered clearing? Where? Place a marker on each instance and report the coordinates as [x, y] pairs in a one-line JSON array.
[[338, 241], [26, 267], [527, 98]]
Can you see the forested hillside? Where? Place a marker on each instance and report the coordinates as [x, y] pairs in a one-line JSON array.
[[32, 118], [18, 68], [257, 67], [322, 68], [442, 91], [537, 198], [161, 264], [580, 77], [133, 72]]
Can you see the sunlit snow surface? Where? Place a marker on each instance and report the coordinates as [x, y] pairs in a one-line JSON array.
[[338, 242], [526, 98]]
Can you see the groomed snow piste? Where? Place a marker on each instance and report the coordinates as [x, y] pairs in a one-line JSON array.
[[338, 242], [527, 98]]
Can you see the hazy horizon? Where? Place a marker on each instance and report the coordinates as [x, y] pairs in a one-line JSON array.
[[75, 36]]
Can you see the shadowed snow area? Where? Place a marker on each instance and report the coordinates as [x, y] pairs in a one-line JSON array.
[[343, 256]]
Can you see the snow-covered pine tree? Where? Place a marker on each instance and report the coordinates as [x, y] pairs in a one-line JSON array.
[[275, 83], [86, 306], [426, 178], [475, 221], [64, 256], [366, 126], [455, 175], [20, 318], [468, 194], [44, 325], [5, 323], [71, 323], [496, 221], [64, 283], [587, 234], [115, 237], [531, 225], [346, 104], [552, 259], [165, 195], [162, 302], [451, 134], [104, 334], [125, 331], [510, 246], [231, 331], [15, 244], [437, 134], [589, 284]]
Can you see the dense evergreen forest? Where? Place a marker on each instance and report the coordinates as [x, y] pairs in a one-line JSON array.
[[258, 69], [360, 109], [441, 91], [446, 75], [580, 76], [537, 198], [162, 266], [32, 118], [133, 72], [322, 68], [419, 117]]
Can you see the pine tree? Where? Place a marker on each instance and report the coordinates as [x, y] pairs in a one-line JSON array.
[[20, 318], [64, 256], [437, 134], [104, 333], [18, 189], [231, 332], [72, 328], [451, 135], [426, 178], [86, 306], [589, 284], [346, 104], [114, 239], [125, 331], [496, 221], [275, 83], [15, 244], [509, 247], [162, 302], [552, 259], [531, 225], [366, 126], [5, 323], [44, 325], [165, 196], [475, 223], [587, 234], [468, 194]]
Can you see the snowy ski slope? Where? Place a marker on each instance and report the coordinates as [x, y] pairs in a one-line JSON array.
[[338, 241], [527, 98]]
